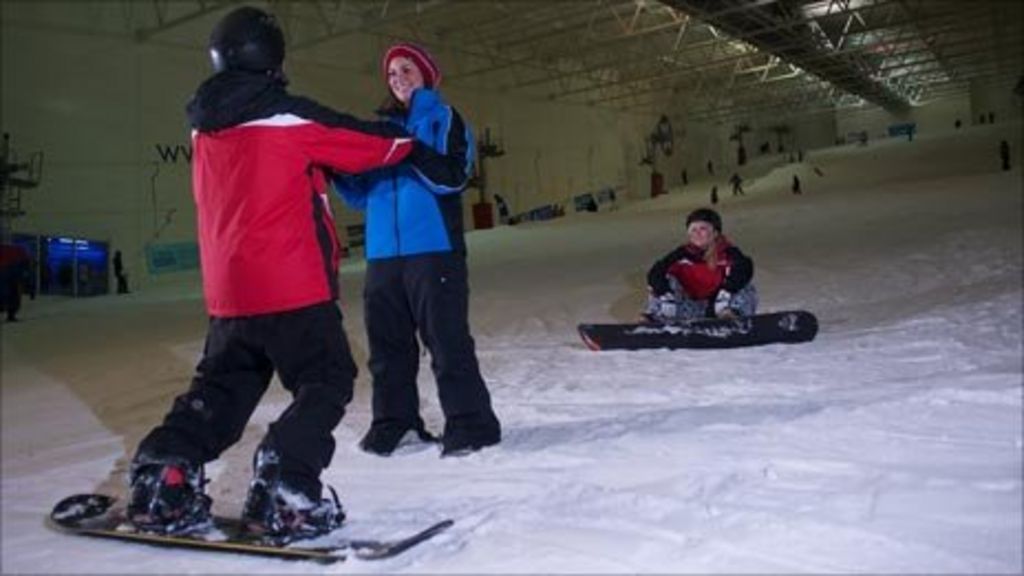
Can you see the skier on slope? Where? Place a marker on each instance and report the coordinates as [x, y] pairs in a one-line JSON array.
[[269, 265], [707, 277]]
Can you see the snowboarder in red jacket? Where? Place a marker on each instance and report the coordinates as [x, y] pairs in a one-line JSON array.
[[707, 277], [269, 257]]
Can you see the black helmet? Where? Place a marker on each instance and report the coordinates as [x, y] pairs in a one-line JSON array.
[[705, 215], [247, 39]]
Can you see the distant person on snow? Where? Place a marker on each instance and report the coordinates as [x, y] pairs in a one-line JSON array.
[[737, 184], [503, 214], [122, 278], [269, 256], [707, 277], [417, 280], [1004, 154]]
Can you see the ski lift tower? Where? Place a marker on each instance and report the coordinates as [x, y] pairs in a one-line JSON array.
[[741, 150], [659, 139], [483, 214], [15, 176], [781, 131]]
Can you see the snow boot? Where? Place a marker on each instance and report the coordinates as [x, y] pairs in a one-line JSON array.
[[385, 436], [168, 498], [282, 514], [464, 435]]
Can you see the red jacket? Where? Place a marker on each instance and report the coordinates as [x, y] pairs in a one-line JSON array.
[[698, 280], [733, 270], [12, 255], [267, 240]]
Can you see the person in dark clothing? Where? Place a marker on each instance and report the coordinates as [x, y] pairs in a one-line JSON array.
[[503, 213], [416, 273], [119, 275], [1004, 154], [686, 179], [737, 184], [714, 194], [14, 265], [707, 277], [711, 167], [269, 256], [796, 185]]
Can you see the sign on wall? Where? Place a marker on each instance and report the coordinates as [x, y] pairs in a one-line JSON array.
[[172, 257]]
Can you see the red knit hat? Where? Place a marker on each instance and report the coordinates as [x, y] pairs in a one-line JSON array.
[[419, 56]]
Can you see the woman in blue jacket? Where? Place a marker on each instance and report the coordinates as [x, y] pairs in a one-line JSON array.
[[416, 275]]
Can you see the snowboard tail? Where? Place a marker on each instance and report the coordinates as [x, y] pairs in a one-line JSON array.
[[789, 327], [99, 515]]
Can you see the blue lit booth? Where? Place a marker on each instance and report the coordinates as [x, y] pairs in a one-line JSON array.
[[73, 266]]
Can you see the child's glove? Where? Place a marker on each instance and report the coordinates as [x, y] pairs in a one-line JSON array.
[[667, 307], [722, 301]]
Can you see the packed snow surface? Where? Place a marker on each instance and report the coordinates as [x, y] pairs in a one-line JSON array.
[[890, 444]]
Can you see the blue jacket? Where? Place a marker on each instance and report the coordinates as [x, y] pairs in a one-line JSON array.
[[416, 208]]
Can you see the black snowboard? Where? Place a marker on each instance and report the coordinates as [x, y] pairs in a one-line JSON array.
[[97, 515], [788, 327]]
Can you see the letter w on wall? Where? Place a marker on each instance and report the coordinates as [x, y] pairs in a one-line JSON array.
[[170, 154]]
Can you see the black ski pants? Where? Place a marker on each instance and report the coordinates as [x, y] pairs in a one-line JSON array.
[[430, 294], [310, 353], [10, 289]]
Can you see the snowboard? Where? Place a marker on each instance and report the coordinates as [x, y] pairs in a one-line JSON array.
[[99, 515], [788, 327]]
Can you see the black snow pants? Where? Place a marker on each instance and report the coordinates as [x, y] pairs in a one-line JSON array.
[[310, 353], [427, 293]]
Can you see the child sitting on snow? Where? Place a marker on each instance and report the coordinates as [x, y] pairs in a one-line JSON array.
[[707, 277]]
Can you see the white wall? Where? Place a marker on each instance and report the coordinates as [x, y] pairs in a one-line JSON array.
[[997, 99], [553, 151], [711, 141], [98, 104], [940, 115], [933, 117]]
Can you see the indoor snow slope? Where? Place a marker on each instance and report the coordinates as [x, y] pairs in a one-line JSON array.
[[890, 444]]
